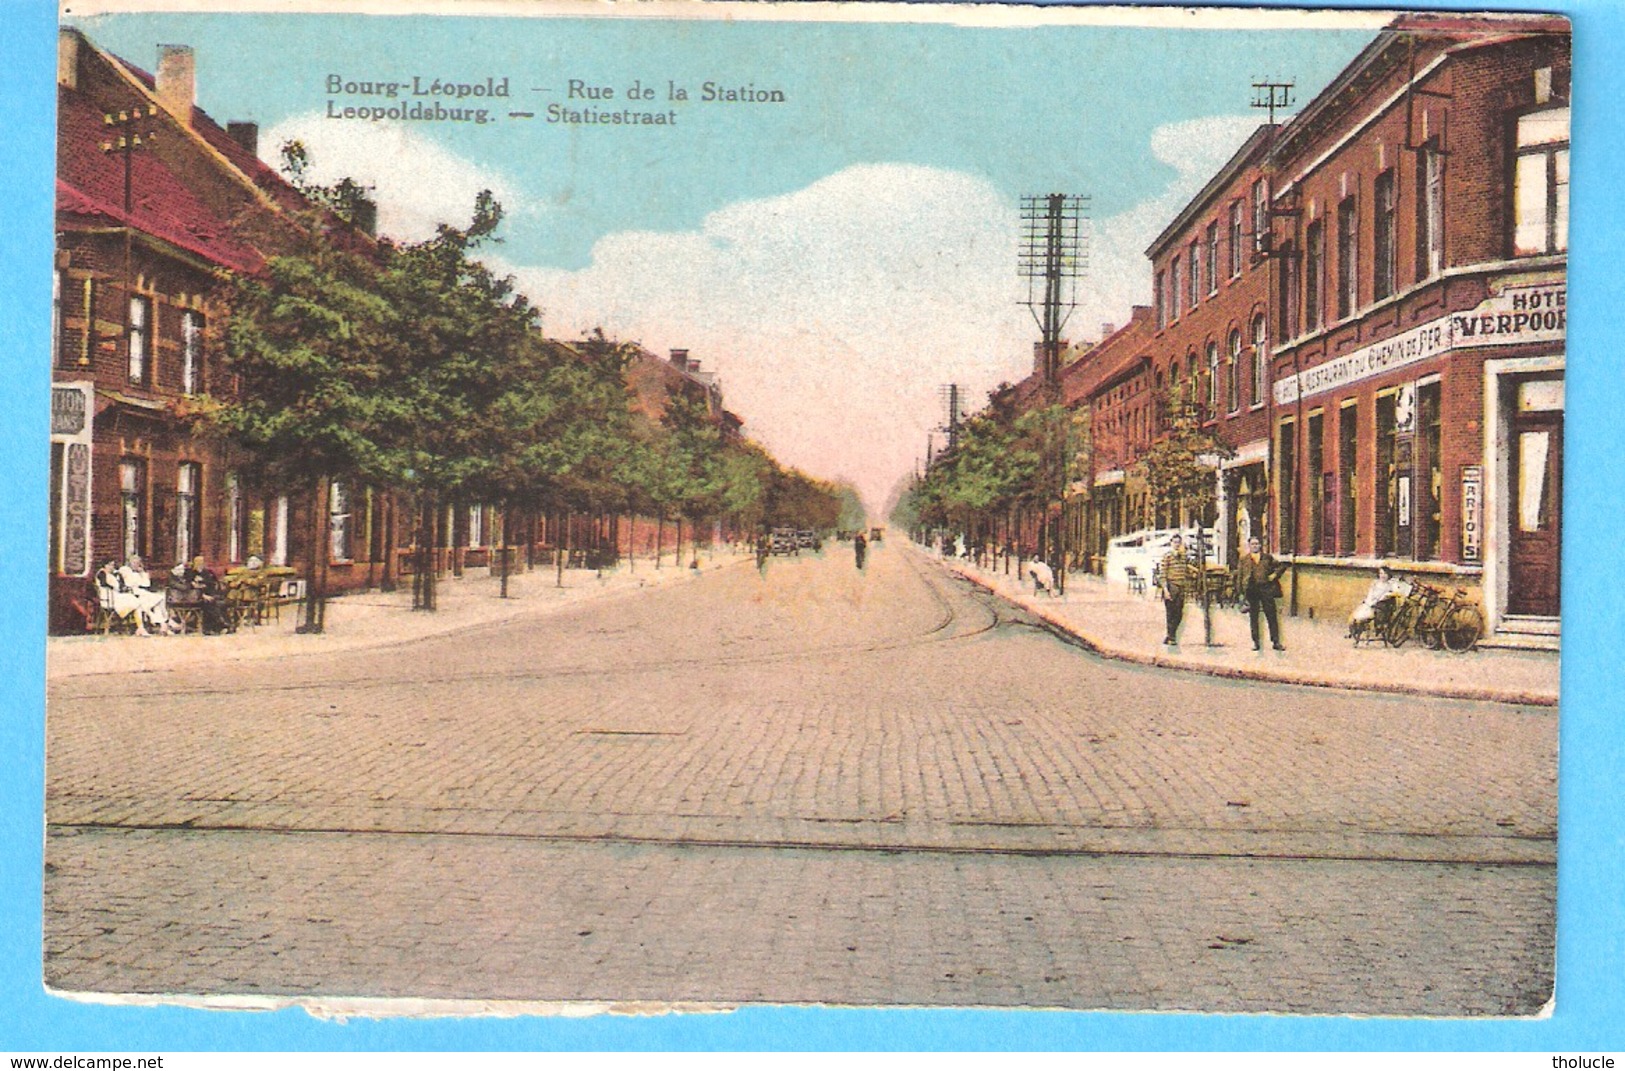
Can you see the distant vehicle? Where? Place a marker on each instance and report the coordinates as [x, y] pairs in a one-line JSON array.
[[807, 539], [875, 534], [783, 541], [1144, 550]]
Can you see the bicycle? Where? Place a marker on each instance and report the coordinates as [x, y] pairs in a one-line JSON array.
[[1437, 620], [1412, 610], [1455, 624]]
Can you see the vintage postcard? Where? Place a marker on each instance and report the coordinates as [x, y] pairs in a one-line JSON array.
[[688, 505]]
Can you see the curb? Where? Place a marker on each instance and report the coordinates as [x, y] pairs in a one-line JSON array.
[[1122, 654], [431, 628]]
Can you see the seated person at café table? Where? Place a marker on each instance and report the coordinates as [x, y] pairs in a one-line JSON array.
[[194, 586], [136, 590]]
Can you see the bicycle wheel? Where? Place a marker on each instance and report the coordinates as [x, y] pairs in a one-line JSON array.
[[1462, 629], [1400, 625], [1430, 629]]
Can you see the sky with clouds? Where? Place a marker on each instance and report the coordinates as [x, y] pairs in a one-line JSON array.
[[835, 258]]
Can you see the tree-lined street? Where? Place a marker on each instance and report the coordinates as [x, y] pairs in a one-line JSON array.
[[816, 784]]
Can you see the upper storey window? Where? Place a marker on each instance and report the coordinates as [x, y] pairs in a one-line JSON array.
[[1235, 238], [1540, 184]]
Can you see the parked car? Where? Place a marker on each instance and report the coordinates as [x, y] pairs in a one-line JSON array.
[[807, 539], [783, 541], [875, 534], [1142, 551]]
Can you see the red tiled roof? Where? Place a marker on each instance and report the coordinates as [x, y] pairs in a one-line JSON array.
[[258, 171], [90, 185]]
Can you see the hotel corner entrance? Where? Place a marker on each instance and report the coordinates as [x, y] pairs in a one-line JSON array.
[[1534, 495], [1523, 493]]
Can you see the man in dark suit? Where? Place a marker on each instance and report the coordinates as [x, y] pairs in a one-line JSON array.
[[1258, 578]]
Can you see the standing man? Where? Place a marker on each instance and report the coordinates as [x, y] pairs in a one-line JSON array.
[[860, 547], [1258, 577], [1178, 579]]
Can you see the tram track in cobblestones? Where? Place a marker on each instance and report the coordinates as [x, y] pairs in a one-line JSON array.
[[934, 805], [1537, 852], [997, 613]]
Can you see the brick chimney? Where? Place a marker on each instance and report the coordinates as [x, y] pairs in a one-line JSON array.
[[679, 359], [1106, 331], [177, 81], [67, 59], [245, 134]]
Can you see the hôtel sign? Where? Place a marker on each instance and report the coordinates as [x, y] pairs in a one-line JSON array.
[[1516, 315]]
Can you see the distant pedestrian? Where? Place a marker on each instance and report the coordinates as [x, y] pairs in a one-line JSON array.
[[860, 548], [1258, 578], [1042, 576], [764, 546], [1178, 578]]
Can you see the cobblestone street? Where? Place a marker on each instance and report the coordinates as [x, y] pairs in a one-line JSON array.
[[813, 785]]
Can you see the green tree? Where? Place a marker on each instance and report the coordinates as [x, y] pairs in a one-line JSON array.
[[1180, 472], [302, 344], [457, 344]]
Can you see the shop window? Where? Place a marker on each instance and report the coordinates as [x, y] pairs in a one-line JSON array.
[[1394, 493], [1286, 492], [140, 339], [188, 518], [234, 518], [1430, 528], [1314, 258], [1540, 184], [278, 538], [58, 474], [132, 478], [191, 352], [1236, 238], [338, 514], [1348, 438], [1430, 211], [1315, 463], [1386, 236], [1348, 257]]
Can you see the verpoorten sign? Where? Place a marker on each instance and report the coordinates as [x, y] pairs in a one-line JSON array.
[[1517, 315]]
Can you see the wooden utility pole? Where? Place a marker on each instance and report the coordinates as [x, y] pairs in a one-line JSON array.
[[1053, 257]]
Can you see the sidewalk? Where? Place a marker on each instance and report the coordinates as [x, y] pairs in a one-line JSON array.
[[367, 619], [1110, 621]]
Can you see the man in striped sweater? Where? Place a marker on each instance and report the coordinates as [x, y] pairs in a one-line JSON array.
[[1178, 579]]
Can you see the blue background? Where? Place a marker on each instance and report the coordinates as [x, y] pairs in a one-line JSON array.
[[1589, 933]]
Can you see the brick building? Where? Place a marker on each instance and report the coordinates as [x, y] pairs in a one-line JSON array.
[[1112, 384], [1418, 250], [1209, 349], [154, 202]]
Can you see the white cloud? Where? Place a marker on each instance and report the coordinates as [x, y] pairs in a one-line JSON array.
[[832, 313], [835, 312], [416, 183]]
